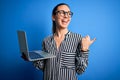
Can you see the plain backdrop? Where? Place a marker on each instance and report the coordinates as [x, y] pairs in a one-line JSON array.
[[97, 18]]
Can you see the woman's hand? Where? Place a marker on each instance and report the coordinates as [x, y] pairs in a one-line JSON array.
[[86, 42]]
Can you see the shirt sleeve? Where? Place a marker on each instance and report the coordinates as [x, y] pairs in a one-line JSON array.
[[81, 60], [40, 63]]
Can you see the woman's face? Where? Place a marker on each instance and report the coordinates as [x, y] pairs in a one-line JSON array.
[[62, 17]]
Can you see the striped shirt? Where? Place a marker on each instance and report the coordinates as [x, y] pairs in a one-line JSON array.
[[62, 67]]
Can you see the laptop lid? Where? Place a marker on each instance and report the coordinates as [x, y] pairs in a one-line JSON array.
[[23, 42]]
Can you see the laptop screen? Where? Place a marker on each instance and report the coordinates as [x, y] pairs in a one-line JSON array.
[[22, 41]]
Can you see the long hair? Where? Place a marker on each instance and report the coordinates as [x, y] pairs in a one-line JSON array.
[[54, 13]]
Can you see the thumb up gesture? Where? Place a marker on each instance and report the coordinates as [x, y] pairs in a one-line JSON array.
[[86, 42]]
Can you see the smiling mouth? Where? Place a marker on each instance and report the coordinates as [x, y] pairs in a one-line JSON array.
[[65, 22]]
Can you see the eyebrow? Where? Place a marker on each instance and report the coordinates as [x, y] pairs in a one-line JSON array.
[[62, 10]]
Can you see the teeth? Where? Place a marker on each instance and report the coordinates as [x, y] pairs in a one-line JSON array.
[[64, 21]]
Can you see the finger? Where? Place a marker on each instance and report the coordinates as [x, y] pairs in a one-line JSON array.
[[93, 40], [86, 36]]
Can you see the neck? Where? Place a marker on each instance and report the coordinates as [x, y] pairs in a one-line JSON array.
[[61, 32]]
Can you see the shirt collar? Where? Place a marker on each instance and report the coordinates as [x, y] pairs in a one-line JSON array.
[[66, 36]]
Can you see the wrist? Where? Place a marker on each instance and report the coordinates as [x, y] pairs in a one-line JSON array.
[[84, 50]]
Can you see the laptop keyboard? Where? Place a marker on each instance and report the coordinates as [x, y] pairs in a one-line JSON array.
[[34, 55]]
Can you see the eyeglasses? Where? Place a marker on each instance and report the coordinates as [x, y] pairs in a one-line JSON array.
[[63, 13]]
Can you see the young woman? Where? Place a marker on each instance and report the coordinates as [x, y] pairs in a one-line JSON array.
[[66, 45]]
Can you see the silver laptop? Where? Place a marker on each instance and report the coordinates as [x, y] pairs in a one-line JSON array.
[[31, 55]]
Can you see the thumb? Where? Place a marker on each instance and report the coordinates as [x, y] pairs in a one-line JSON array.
[[93, 40]]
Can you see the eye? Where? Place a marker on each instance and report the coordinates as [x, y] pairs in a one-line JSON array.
[[62, 12]]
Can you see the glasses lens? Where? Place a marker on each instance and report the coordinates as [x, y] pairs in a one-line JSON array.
[[63, 13], [70, 13]]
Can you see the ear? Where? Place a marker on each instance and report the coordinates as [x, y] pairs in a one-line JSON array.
[[53, 17]]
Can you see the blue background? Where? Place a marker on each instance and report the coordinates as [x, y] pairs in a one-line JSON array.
[[98, 18]]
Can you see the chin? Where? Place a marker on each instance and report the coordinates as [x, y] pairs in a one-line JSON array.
[[64, 26]]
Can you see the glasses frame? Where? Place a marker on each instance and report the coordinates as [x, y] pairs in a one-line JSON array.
[[63, 13]]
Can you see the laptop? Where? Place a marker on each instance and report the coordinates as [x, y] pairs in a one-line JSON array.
[[31, 55]]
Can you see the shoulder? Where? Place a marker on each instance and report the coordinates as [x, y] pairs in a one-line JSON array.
[[75, 35], [48, 38]]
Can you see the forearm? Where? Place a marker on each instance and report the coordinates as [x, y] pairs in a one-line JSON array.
[[81, 62]]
